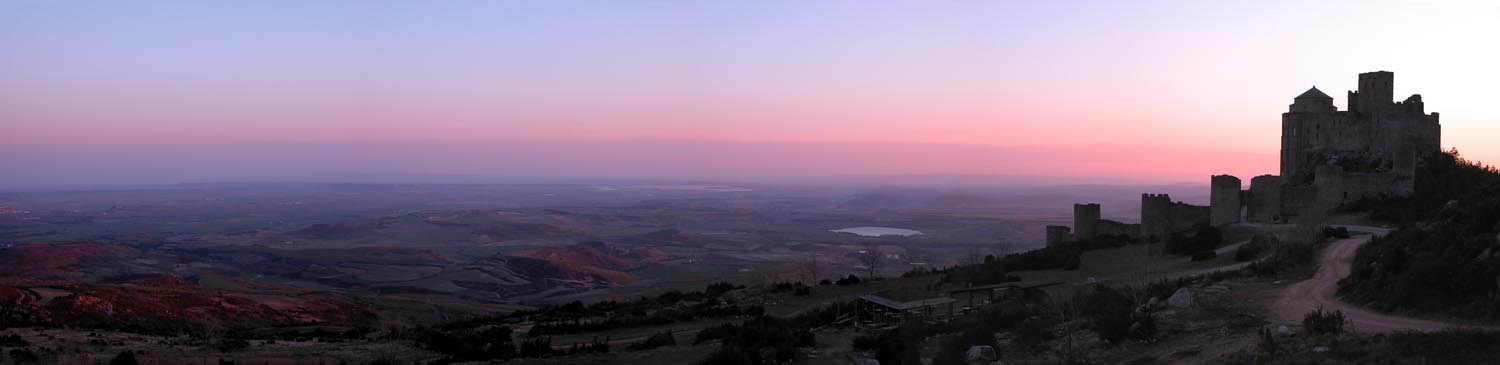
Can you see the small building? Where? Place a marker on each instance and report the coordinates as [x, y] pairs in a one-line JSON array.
[[907, 304]]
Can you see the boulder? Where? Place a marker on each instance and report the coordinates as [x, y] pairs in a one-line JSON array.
[[1183, 298], [1004, 339], [981, 354]]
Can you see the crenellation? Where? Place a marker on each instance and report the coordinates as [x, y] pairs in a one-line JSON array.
[[1085, 220], [1329, 158], [1343, 156]]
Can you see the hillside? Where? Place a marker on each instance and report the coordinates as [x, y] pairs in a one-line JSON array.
[[1445, 258]]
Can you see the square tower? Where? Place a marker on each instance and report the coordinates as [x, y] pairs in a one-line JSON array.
[[1376, 93]]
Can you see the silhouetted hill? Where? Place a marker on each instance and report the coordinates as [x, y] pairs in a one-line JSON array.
[[1445, 258]]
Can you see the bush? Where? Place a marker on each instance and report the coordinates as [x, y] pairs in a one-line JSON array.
[[662, 339], [850, 280], [1320, 322], [24, 356], [1113, 314], [124, 358], [1285, 257], [1203, 237], [743, 343], [470, 344], [1205, 255], [1335, 232], [1257, 245]]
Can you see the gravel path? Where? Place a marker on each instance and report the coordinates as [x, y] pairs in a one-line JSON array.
[[1322, 289]]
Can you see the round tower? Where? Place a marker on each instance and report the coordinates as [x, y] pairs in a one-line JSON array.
[[1224, 201]]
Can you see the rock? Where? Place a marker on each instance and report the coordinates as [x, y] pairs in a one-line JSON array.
[[1149, 306], [866, 361], [1320, 349], [1004, 339], [1183, 298], [981, 354], [1283, 330], [1081, 340], [769, 353], [1450, 205]]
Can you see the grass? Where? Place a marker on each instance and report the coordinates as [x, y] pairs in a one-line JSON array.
[[1127, 263]]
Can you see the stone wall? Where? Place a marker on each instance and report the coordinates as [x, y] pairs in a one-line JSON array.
[[1058, 234], [1109, 227], [1160, 216]]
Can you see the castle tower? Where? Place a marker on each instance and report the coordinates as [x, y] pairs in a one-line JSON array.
[[1085, 221], [1264, 205], [1156, 220], [1057, 235], [1376, 92], [1224, 200]]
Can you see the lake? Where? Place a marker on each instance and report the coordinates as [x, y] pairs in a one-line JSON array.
[[878, 231]]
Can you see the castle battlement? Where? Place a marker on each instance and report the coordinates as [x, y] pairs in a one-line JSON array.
[[1328, 158]]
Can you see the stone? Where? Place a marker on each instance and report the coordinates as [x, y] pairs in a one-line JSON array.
[[1283, 330], [866, 361], [1149, 306], [1183, 298], [1081, 340], [1216, 288], [1004, 339], [981, 354], [1320, 349]]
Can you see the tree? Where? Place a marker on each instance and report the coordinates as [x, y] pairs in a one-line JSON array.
[[124, 358], [814, 268], [871, 257]]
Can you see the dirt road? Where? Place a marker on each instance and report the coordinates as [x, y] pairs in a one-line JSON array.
[[1333, 265]]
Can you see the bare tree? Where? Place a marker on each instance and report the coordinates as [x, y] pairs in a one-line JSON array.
[[1000, 249], [871, 258], [812, 269], [973, 257]]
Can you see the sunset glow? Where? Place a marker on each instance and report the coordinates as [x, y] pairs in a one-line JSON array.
[[328, 90]]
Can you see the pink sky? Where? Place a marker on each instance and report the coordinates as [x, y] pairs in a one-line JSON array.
[[1142, 91]]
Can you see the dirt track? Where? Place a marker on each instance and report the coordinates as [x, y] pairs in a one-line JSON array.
[[1333, 265]]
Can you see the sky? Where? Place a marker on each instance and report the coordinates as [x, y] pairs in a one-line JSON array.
[[146, 92]]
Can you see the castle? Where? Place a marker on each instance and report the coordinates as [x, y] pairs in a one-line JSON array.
[[1328, 158]]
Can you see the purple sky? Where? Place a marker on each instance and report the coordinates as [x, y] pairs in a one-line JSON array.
[[161, 92]]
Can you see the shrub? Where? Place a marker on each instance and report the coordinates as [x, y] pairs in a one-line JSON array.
[[1205, 255], [743, 343], [1320, 322], [1203, 237], [1335, 232], [124, 358], [657, 340], [1257, 245], [24, 356]]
